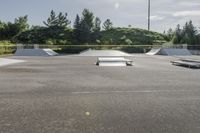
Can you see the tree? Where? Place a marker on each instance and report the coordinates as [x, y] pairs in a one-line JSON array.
[[189, 33], [57, 28], [59, 20], [22, 23], [96, 29], [170, 34], [77, 28], [97, 24], [177, 35], [2, 29], [107, 25], [86, 26], [88, 18], [9, 30], [2, 25]]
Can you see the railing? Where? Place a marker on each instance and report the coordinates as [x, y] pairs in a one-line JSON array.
[[7, 49]]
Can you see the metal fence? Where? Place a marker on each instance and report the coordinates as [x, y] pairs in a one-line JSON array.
[[8, 49]]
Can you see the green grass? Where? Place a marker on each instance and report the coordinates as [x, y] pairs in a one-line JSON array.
[[6, 48]]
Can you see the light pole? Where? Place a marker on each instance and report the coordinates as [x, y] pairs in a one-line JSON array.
[[149, 14]]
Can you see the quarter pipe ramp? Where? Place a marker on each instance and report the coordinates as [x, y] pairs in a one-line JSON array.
[[35, 52], [169, 52]]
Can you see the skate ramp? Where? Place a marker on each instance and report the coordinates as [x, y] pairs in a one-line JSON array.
[[35, 52], [104, 53], [179, 52], [169, 52], [154, 51]]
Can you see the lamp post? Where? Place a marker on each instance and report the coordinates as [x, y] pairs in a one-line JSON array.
[[149, 14]]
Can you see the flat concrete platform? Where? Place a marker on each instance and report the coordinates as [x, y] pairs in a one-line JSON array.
[[70, 94], [190, 64], [103, 53]]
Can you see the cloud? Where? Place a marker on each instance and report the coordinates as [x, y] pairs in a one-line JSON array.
[[116, 5], [189, 3], [186, 13], [164, 13], [156, 18]]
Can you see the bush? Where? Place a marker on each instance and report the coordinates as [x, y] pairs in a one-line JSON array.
[[128, 42], [42, 35], [6, 47], [6, 43], [137, 36]]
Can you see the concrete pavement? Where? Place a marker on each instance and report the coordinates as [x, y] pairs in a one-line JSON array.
[[68, 94]]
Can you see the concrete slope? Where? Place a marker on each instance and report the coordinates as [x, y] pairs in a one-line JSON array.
[[105, 53], [154, 51], [50, 52], [35, 52], [169, 52], [181, 52]]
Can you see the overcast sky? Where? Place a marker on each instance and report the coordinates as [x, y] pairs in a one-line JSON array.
[[165, 13]]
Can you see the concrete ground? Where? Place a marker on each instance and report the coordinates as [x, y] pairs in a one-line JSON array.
[[68, 94], [5, 62]]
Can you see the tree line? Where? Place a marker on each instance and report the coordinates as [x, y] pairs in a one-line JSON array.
[[57, 30], [188, 34], [89, 29], [9, 30]]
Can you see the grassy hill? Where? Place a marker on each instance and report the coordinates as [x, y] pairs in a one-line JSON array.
[[115, 36], [133, 36], [127, 39]]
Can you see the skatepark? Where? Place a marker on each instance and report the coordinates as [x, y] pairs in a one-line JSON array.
[[100, 66], [114, 57], [71, 94]]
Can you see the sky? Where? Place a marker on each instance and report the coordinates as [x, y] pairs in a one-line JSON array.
[[165, 14]]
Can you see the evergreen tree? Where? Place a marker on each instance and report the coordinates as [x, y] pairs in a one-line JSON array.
[[170, 34], [59, 20], [9, 30], [86, 26], [88, 18], [22, 23], [97, 24], [96, 29], [107, 25], [177, 35], [2, 29], [57, 27], [77, 28], [189, 34]]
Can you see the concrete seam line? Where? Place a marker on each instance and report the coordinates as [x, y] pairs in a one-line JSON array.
[[151, 91]]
